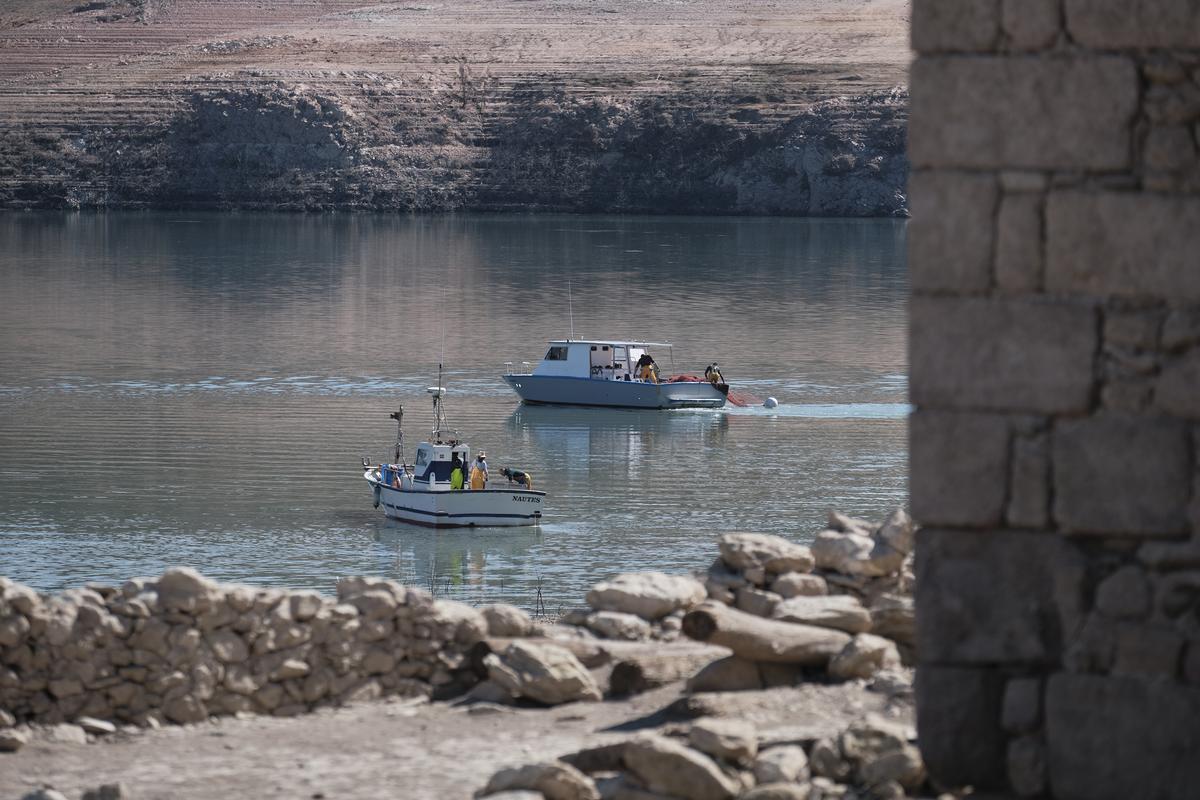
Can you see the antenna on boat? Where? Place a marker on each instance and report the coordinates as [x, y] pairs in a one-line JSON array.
[[439, 413], [570, 308], [399, 417]]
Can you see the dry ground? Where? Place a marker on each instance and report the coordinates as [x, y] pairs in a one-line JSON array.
[[403, 750]]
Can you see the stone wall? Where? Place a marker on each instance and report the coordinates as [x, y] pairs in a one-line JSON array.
[[182, 648], [1055, 371]]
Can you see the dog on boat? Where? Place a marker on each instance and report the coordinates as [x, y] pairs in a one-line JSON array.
[[517, 476]]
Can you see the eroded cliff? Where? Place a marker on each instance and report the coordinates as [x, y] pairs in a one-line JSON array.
[[707, 107]]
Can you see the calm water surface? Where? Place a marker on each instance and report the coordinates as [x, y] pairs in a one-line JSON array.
[[199, 389]]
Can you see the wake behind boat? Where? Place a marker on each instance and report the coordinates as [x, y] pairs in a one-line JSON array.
[[428, 492], [619, 374]]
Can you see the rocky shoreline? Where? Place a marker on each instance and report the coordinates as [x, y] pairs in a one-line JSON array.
[[768, 616], [293, 146]]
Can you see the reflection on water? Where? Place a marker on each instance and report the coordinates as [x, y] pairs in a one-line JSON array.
[[199, 389]]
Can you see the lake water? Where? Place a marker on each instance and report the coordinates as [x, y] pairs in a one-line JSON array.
[[199, 389]]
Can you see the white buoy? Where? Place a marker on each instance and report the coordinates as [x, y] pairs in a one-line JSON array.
[[770, 402]]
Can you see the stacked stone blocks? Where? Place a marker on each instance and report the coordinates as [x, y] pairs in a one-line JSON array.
[[1055, 371], [182, 648]]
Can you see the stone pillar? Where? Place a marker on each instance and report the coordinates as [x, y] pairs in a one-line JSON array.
[[1055, 373]]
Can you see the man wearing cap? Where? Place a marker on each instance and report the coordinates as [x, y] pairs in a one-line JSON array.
[[479, 471]]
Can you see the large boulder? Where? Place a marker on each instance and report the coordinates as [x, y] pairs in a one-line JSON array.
[[543, 672], [185, 589], [650, 595], [555, 780], [303, 606], [721, 582], [760, 551], [840, 612], [505, 620], [799, 584], [864, 656], [228, 647], [847, 524], [460, 622], [64, 733], [893, 616], [729, 739], [899, 531], [855, 553], [730, 674], [785, 763], [12, 739], [755, 601], [618, 625], [869, 740], [13, 629], [902, 765], [670, 768], [757, 639]]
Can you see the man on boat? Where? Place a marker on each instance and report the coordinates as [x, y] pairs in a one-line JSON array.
[[517, 476], [713, 373], [647, 369], [456, 474], [479, 471]]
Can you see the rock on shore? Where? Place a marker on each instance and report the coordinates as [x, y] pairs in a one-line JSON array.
[[720, 759], [182, 648]]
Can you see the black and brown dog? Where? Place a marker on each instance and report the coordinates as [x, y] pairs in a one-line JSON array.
[[517, 476]]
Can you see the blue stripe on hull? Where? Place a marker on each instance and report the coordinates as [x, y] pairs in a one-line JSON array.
[[448, 515]]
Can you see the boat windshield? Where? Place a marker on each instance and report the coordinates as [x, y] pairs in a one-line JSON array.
[[556, 353]]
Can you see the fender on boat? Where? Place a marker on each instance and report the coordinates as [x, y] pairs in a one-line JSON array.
[[378, 491]]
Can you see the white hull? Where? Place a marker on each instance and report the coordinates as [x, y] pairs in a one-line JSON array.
[[443, 508]]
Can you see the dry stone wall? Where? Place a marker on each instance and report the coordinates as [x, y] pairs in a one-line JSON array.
[[182, 648], [1055, 370]]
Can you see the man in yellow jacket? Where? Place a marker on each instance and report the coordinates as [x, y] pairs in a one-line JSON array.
[[479, 471], [456, 474]]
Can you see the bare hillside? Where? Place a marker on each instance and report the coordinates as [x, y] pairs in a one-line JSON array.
[[603, 105]]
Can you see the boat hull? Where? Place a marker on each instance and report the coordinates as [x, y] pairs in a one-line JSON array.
[[462, 509], [560, 390]]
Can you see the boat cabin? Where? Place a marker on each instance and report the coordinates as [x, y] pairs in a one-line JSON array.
[[436, 459], [611, 361]]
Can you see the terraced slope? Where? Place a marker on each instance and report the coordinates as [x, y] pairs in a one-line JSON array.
[[655, 106]]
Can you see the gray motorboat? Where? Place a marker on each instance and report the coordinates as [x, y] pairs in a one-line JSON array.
[[619, 374]]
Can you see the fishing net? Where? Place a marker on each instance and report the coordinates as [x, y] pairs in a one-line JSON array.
[[741, 399]]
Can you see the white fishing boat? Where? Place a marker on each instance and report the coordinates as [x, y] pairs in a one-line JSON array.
[[622, 374], [422, 492]]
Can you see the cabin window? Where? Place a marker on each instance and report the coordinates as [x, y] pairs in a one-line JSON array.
[[556, 354], [422, 458]]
